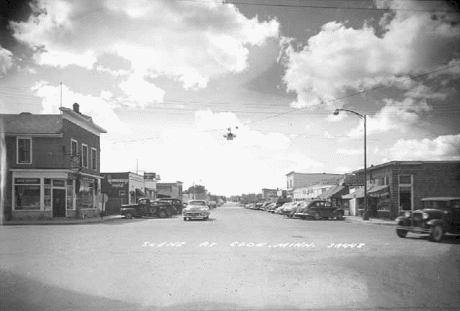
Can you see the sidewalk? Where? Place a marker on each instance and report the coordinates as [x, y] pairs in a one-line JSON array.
[[371, 221], [61, 221]]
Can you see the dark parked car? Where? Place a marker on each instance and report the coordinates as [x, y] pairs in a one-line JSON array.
[[147, 207], [177, 203], [318, 209], [437, 216]]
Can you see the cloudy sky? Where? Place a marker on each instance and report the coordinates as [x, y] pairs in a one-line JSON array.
[[167, 79]]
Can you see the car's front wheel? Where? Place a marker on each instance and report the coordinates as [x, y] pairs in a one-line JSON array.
[[437, 232], [401, 233], [129, 215], [162, 214], [317, 216], [339, 216]]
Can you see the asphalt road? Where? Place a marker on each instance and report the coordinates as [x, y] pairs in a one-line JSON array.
[[238, 260]]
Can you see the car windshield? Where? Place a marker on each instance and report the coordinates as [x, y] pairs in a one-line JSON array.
[[200, 203]]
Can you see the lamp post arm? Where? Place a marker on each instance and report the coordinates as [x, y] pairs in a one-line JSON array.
[[356, 113]]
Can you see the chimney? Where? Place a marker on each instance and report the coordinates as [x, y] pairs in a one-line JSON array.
[[76, 108]]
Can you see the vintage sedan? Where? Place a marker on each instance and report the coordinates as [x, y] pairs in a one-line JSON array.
[[196, 209], [437, 216], [319, 209], [149, 208]]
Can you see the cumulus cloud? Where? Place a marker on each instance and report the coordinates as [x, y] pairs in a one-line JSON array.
[[395, 115], [98, 108], [191, 42], [341, 57], [6, 60], [442, 148]]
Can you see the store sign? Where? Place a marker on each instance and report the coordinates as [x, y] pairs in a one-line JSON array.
[[27, 181], [117, 181], [118, 185], [150, 176]]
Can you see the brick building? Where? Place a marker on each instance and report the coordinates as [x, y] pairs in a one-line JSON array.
[[397, 186], [53, 163]]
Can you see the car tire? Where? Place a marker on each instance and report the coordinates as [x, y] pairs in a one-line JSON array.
[[206, 218], [162, 214], [317, 216], [185, 218], [401, 233], [437, 232], [129, 215], [339, 216], [303, 217], [153, 210]]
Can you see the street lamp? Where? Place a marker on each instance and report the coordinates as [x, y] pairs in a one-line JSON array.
[[362, 116]]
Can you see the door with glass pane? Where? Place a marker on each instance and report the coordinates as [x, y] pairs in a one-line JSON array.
[[59, 203]]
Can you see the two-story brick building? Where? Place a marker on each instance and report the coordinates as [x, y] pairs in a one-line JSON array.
[[53, 163], [398, 186]]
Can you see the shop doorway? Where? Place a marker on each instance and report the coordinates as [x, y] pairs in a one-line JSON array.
[[58, 202]]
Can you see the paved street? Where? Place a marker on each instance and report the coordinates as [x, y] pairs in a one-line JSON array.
[[238, 260]]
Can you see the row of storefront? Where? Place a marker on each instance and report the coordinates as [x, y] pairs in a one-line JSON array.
[[392, 188]]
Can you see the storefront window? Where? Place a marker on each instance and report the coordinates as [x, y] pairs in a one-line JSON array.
[[70, 194], [27, 197], [85, 197]]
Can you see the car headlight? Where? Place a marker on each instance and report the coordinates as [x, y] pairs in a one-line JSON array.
[[407, 214], [425, 216]]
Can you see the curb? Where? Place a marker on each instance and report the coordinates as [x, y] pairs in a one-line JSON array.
[[95, 220], [369, 222]]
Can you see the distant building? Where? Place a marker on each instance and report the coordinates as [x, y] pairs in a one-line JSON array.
[[269, 194], [300, 180], [53, 164], [170, 190]]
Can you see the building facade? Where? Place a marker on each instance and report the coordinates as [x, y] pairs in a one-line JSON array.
[[126, 188], [398, 186], [302, 180], [269, 194], [53, 165], [170, 190]]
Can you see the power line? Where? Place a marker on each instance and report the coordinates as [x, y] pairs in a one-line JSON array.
[[323, 7]]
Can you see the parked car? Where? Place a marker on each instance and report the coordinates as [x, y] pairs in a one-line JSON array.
[[147, 207], [436, 217], [196, 209], [290, 208], [319, 209], [212, 204], [271, 207], [177, 203]]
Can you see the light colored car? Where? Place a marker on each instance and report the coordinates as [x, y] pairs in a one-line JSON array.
[[196, 209]]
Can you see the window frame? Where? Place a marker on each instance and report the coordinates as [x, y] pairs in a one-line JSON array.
[[94, 159], [84, 155], [30, 149], [73, 152]]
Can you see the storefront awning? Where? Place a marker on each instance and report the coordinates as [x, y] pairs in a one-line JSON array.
[[140, 193], [372, 191], [334, 191], [378, 192]]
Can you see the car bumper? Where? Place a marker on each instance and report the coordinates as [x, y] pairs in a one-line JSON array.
[[195, 216], [415, 229]]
